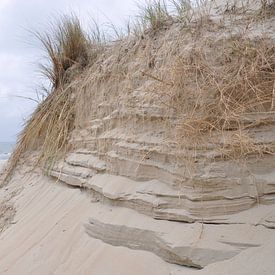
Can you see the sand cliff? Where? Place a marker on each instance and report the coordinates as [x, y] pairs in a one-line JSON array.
[[153, 181]]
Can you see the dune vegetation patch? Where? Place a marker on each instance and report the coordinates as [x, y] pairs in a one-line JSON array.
[[213, 77], [225, 88], [68, 50]]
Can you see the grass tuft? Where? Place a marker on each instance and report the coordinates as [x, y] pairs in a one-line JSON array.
[[154, 15], [66, 46], [69, 50], [184, 10]]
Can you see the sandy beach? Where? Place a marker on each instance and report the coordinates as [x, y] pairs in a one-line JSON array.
[[46, 236]]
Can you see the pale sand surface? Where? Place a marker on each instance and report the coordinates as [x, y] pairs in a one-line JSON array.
[[47, 237]]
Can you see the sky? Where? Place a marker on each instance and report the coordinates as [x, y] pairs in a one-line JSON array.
[[20, 52]]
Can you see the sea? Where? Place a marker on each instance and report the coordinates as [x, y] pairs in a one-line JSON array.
[[6, 149]]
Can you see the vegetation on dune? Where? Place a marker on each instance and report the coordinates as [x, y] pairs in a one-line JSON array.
[[211, 88], [231, 84], [154, 15], [66, 45], [69, 50]]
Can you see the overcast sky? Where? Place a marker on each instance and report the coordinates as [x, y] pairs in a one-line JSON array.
[[20, 53]]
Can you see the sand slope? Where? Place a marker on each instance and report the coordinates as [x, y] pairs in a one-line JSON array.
[[47, 237]]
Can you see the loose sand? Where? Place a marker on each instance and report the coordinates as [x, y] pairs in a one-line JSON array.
[[47, 236]]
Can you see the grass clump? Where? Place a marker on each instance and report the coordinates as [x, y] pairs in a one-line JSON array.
[[184, 10], [154, 15], [224, 89], [209, 87], [66, 46], [68, 50]]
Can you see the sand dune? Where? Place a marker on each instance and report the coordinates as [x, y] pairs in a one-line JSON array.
[[159, 152]]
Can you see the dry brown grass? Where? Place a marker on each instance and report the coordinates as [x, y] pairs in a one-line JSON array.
[[48, 128], [69, 50], [222, 87], [154, 15], [66, 45]]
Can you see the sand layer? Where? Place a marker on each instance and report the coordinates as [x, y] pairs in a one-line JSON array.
[[49, 235]]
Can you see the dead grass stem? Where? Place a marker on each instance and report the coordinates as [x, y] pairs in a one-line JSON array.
[[222, 90]]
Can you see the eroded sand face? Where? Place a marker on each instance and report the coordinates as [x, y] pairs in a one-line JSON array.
[[59, 230], [47, 236]]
